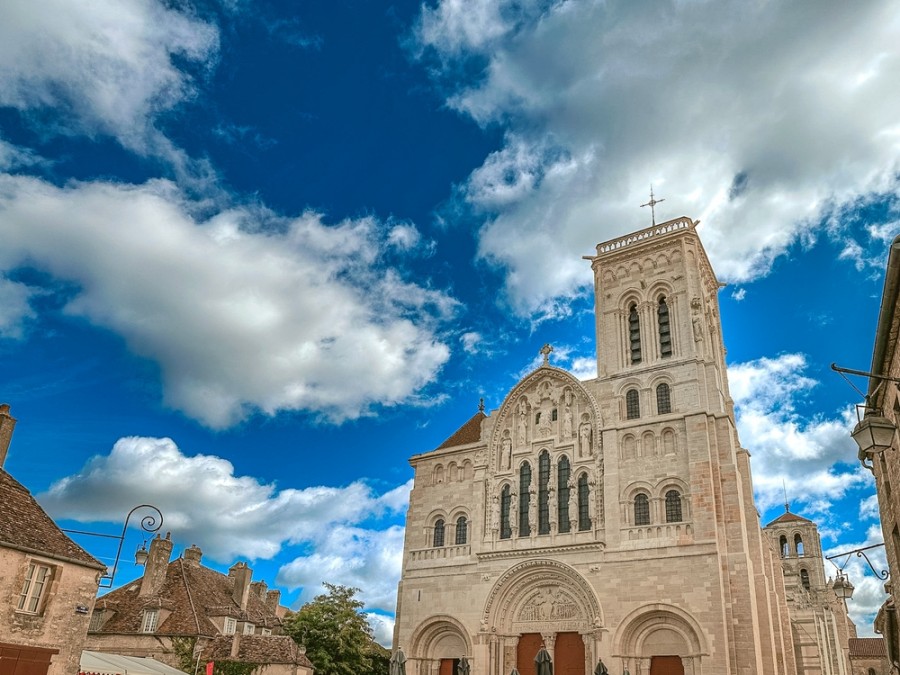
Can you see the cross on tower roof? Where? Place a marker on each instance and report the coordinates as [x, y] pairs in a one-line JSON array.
[[545, 352], [652, 204]]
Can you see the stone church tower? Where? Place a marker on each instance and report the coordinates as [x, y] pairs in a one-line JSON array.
[[610, 518]]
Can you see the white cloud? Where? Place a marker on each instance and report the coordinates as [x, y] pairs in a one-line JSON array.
[[231, 516], [739, 294], [470, 342], [723, 107], [813, 459], [243, 311], [868, 508], [404, 236], [382, 628], [105, 66], [15, 310]]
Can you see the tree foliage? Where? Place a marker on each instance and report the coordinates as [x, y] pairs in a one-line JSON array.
[[337, 636]]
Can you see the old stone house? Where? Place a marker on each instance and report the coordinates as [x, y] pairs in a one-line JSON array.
[[868, 656], [181, 610], [47, 582], [604, 519]]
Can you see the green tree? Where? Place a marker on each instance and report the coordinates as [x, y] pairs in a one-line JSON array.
[[337, 636]]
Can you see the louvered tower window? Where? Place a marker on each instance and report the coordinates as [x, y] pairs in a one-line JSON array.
[[665, 330], [544, 493], [524, 499], [634, 334], [562, 480]]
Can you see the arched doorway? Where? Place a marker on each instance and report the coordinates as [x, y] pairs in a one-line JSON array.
[[662, 637], [437, 645], [666, 665]]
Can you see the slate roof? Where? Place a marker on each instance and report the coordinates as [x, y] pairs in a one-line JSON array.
[[470, 432], [789, 517], [193, 593], [25, 525], [867, 648], [256, 649]]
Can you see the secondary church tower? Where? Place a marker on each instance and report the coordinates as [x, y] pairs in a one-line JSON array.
[[606, 519]]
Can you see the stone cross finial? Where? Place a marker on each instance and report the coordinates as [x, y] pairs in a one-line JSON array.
[[545, 352], [652, 204], [481, 405]]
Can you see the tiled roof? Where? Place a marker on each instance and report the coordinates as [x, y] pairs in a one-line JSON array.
[[193, 593], [470, 432], [256, 649], [789, 517], [24, 524], [867, 648]]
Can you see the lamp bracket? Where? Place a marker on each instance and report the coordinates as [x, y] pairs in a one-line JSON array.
[[860, 553]]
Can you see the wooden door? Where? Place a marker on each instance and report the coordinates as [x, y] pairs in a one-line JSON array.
[[529, 646], [568, 654], [666, 665], [448, 666]]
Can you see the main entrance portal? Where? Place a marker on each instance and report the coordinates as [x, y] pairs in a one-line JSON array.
[[529, 646], [568, 654], [666, 665]]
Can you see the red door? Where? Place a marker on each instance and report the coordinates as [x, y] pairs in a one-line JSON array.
[[448, 666], [568, 654], [666, 665], [529, 646]]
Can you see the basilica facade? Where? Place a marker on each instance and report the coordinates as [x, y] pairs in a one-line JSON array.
[[610, 519]]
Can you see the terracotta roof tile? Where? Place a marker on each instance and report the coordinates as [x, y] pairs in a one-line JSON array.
[[470, 432], [24, 524], [867, 647], [789, 517]]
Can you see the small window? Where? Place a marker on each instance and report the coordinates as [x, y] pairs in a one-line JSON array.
[[96, 621], [249, 629], [673, 506], [584, 509], [554, 415], [266, 631], [783, 545], [632, 405], [641, 510], [804, 579], [562, 489], [524, 499], [665, 332], [634, 334], [663, 399], [798, 544], [37, 581], [151, 621], [438, 533], [544, 493], [462, 530], [230, 626], [505, 499]]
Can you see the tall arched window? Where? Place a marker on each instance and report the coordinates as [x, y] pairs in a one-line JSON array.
[[524, 499], [505, 527], [673, 506], [663, 399], [439, 533], [783, 545], [634, 334], [665, 332], [804, 579], [641, 510], [544, 493], [798, 544], [632, 404], [462, 530], [584, 508], [563, 471]]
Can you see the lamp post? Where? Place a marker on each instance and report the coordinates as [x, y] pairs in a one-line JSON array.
[[842, 587], [874, 433], [150, 523]]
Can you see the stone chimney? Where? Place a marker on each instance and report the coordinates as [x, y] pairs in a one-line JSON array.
[[273, 598], [7, 424], [192, 555], [259, 588], [155, 570], [241, 575]]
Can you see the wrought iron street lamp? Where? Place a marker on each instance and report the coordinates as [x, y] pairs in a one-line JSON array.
[[874, 433], [150, 523], [842, 587]]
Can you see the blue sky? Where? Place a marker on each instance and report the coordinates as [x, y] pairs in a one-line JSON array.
[[254, 255]]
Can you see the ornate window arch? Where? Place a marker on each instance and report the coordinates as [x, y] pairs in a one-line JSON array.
[[563, 472], [584, 503], [632, 404]]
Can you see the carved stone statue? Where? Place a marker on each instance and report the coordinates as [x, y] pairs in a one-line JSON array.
[[513, 512], [495, 513], [505, 451], [585, 435], [532, 510], [521, 423], [573, 504], [552, 508], [567, 422]]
